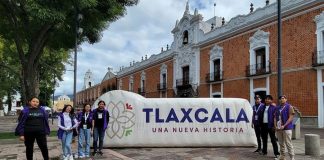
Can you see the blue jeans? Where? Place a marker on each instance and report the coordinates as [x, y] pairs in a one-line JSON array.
[[66, 143], [84, 134], [98, 133]]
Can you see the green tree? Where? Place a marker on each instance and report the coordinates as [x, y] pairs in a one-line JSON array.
[[51, 70], [33, 25], [52, 67], [9, 79]]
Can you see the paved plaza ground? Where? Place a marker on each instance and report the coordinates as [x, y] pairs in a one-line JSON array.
[[14, 149]]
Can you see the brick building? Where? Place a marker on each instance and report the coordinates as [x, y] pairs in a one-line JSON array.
[[91, 91], [238, 58]]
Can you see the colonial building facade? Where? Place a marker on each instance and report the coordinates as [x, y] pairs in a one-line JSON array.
[[238, 58]]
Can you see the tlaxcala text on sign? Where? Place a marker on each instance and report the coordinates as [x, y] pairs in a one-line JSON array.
[[136, 121]]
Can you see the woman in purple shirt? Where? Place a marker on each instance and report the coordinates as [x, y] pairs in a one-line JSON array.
[[66, 123], [33, 124]]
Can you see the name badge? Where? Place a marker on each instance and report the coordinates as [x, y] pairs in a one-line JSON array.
[[100, 116], [85, 126], [256, 117]]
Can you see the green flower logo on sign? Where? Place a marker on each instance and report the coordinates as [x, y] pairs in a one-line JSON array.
[[122, 119]]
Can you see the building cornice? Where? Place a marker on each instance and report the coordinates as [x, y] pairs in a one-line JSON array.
[[138, 66], [260, 16]]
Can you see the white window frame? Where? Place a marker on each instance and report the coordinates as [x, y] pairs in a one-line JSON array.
[[319, 19], [131, 83], [258, 90], [164, 70], [143, 78], [259, 40], [216, 53], [216, 93], [120, 84]]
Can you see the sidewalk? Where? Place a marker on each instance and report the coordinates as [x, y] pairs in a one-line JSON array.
[[14, 149]]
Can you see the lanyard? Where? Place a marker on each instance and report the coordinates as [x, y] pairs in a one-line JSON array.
[[86, 117], [256, 110], [280, 110]]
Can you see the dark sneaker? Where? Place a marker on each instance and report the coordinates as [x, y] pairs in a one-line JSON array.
[[100, 152], [94, 153], [258, 150]]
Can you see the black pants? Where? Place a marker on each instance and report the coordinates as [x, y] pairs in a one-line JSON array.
[[41, 142], [265, 130], [257, 130], [99, 133]]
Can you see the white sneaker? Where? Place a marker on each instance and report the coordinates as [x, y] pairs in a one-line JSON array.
[[82, 156], [65, 157], [71, 157]]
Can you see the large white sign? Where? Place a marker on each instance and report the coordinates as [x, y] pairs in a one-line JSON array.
[[176, 122]]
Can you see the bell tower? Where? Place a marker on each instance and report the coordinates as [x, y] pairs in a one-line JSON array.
[[88, 80]]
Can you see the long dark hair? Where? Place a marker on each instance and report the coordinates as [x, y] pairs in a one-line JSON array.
[[101, 101], [67, 105]]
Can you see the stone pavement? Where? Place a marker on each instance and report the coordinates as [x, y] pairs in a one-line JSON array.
[[14, 149]]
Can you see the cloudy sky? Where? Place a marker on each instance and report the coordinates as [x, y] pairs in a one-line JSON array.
[[143, 31]]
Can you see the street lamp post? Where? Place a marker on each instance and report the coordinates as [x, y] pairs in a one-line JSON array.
[[279, 50], [78, 31]]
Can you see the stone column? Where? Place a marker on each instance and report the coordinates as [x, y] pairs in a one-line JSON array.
[[312, 145]]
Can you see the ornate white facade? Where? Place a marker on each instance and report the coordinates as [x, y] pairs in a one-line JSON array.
[[88, 80]]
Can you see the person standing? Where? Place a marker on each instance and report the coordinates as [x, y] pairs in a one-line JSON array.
[[66, 123], [33, 124], [256, 120], [283, 123], [100, 123], [267, 127], [85, 125]]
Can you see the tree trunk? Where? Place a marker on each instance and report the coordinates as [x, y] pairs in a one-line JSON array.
[[1, 108], [9, 101], [1, 104], [30, 82]]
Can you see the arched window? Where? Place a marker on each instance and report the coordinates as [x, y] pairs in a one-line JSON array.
[[185, 37]]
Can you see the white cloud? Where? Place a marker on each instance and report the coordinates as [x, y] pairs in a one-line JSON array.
[[143, 31]]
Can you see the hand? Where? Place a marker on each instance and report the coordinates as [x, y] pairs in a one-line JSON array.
[[22, 138], [282, 127]]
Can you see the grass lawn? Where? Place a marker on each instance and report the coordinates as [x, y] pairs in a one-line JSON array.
[[11, 135]]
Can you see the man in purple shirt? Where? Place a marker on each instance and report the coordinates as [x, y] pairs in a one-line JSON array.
[[267, 126], [283, 123], [256, 120]]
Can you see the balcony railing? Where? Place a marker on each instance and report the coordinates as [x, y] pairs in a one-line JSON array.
[[141, 91], [161, 86], [214, 76], [183, 82], [318, 58], [258, 69]]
